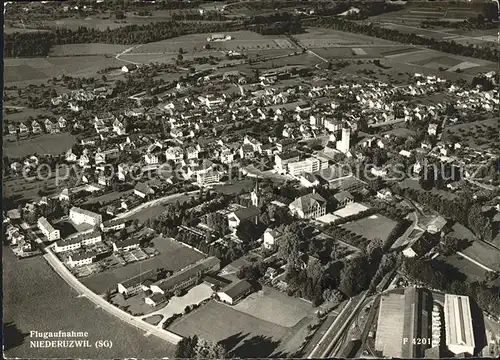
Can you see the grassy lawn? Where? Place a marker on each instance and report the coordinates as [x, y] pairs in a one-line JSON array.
[[471, 270], [371, 227], [173, 256], [485, 254], [53, 144], [153, 319], [276, 307], [218, 322], [413, 183], [37, 299]]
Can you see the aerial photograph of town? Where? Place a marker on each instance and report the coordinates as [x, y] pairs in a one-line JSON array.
[[251, 179]]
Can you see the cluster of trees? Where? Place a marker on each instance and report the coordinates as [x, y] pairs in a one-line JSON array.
[[477, 23], [196, 16], [460, 209], [439, 275], [39, 43], [452, 47], [192, 347]]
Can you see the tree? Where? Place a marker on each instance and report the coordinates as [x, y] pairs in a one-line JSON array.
[[288, 247], [186, 347]]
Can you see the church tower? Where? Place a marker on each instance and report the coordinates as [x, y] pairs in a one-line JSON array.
[[254, 196]]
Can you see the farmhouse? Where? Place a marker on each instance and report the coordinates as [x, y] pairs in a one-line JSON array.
[[235, 292], [219, 37], [309, 206], [81, 216], [128, 68], [48, 230], [137, 283]]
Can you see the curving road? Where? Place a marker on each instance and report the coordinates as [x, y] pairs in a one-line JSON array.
[[67, 276]]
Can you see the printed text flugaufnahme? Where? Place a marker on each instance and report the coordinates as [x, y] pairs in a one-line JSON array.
[[59, 334]]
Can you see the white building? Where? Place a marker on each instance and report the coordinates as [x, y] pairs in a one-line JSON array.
[[458, 324], [344, 143], [81, 216], [48, 230]]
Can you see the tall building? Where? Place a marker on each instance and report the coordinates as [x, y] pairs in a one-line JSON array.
[[254, 195], [458, 324], [344, 143]]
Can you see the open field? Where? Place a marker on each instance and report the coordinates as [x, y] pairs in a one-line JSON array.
[[37, 299], [23, 114], [484, 253], [413, 183], [87, 49], [469, 269], [241, 41], [173, 256], [53, 144], [244, 335], [24, 71], [321, 37], [275, 307], [371, 227]]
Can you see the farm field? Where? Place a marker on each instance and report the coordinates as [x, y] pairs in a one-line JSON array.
[[244, 335], [241, 40], [25, 71], [275, 307], [371, 227], [173, 256], [322, 37], [53, 144], [23, 114], [87, 49], [37, 299]]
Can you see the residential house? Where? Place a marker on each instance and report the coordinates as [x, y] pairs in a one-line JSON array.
[[174, 153], [35, 127], [247, 151], [129, 67], [151, 158], [270, 237], [309, 206], [235, 218], [62, 123], [384, 194], [70, 156], [113, 225], [23, 128], [308, 180], [118, 127], [192, 153], [80, 216], [48, 230], [142, 190], [50, 127], [12, 129], [80, 259], [344, 198], [130, 243]]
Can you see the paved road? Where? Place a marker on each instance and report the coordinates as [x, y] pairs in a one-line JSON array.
[[153, 203], [67, 276]]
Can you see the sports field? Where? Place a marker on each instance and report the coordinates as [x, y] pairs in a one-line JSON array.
[[371, 227]]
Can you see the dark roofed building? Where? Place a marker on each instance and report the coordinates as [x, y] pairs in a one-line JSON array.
[[187, 277], [344, 198], [235, 291], [244, 214]]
